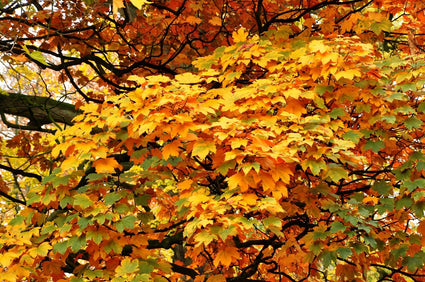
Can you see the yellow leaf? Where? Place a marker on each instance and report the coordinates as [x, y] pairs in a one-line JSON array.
[[203, 148], [117, 4], [127, 266], [250, 199], [317, 45], [137, 79], [348, 74], [204, 237], [139, 3], [238, 142], [236, 180], [158, 78], [187, 78], [99, 152], [293, 93], [225, 256], [7, 258], [240, 35], [171, 149], [69, 162], [107, 165]]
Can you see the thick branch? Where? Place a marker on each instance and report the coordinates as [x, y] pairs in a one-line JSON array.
[[21, 172], [39, 110]]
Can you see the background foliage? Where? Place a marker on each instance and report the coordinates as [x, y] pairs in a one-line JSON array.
[[212, 140]]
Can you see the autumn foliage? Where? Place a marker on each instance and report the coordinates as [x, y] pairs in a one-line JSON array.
[[215, 141]]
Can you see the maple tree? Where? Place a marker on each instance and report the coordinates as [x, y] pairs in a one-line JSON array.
[[212, 140]]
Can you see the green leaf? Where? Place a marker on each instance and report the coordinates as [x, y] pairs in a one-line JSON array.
[[400, 252], [412, 185], [145, 267], [375, 146], [224, 168], [316, 247], [94, 235], [421, 107], [337, 112], [224, 233], [383, 25], [322, 89], [83, 222], [413, 122], [337, 226], [114, 246], [77, 242], [129, 221], [382, 188], [272, 220], [344, 252], [403, 202], [336, 173], [17, 220], [65, 201], [83, 201], [353, 136], [111, 198], [315, 165], [60, 247], [327, 258]]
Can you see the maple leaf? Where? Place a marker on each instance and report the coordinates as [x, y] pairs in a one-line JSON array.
[[240, 35], [215, 21], [106, 165], [236, 180], [225, 256], [117, 4], [127, 266], [202, 148], [140, 3], [171, 149], [193, 20]]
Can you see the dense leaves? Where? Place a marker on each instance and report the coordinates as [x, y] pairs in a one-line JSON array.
[[216, 141]]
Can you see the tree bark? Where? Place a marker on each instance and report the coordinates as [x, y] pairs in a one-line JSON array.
[[39, 110]]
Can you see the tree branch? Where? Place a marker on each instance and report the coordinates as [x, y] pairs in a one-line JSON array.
[[39, 110]]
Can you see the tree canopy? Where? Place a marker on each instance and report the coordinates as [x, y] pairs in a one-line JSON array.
[[212, 140]]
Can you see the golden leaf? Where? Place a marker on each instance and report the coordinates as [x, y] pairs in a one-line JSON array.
[[240, 35], [225, 256], [107, 165]]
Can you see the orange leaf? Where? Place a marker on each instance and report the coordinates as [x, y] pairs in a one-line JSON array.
[[225, 256], [107, 165], [216, 278], [238, 179], [193, 20], [267, 181], [240, 35], [184, 185], [171, 149], [294, 106]]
